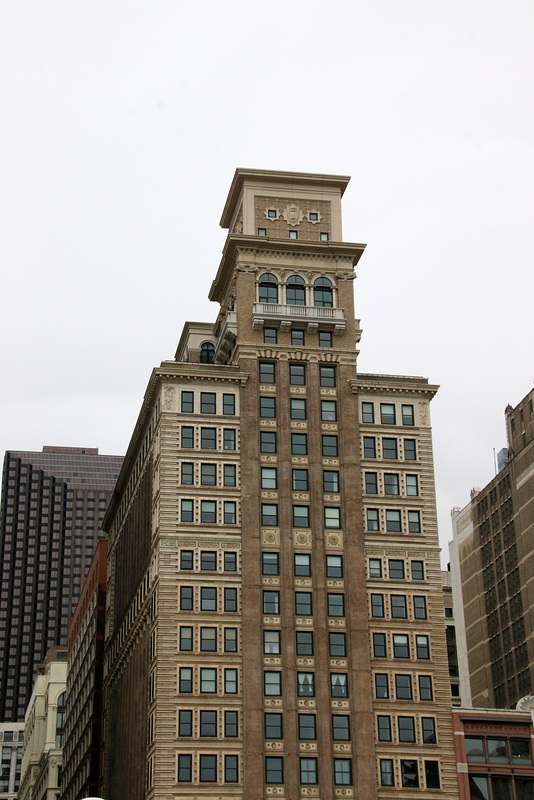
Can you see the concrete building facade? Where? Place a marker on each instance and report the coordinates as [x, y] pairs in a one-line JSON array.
[[274, 608], [11, 737], [492, 564], [52, 508]]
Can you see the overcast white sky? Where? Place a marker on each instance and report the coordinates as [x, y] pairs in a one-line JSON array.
[[122, 125]]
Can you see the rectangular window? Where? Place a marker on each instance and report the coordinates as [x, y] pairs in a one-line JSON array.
[[414, 521], [329, 446], [228, 404], [230, 640], [332, 518], [305, 684], [230, 681], [187, 437], [262, 231], [208, 598], [274, 769], [398, 606], [425, 687], [186, 638], [334, 566], [327, 376], [187, 474], [185, 774], [391, 483], [422, 646], [409, 774], [308, 771], [293, 235], [208, 438], [384, 727], [269, 478], [297, 374], [379, 645], [387, 413], [336, 604], [187, 403], [369, 447], [407, 415], [381, 686], [406, 729], [377, 605], [231, 769], [418, 571], [419, 607], [186, 598], [208, 560], [409, 450], [230, 562], [267, 374], [297, 337], [304, 641], [299, 444], [412, 486], [373, 523], [208, 640], [331, 481], [339, 684], [271, 643], [207, 403], [208, 723], [185, 722], [396, 568], [230, 724], [387, 776], [342, 772], [307, 727], [302, 564], [371, 483], [208, 769], [428, 730], [271, 602], [229, 475], [267, 442], [270, 336], [368, 412], [393, 520], [208, 511], [230, 599], [303, 604], [185, 681], [268, 407], [272, 684], [403, 687], [270, 564], [375, 568], [299, 480], [273, 726], [297, 408], [337, 644], [328, 410], [230, 514], [432, 777], [325, 339], [401, 645], [208, 474], [389, 448], [186, 559], [269, 514], [340, 727], [229, 439]]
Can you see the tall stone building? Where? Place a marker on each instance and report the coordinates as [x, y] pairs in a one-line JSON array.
[[492, 563], [52, 507], [275, 622]]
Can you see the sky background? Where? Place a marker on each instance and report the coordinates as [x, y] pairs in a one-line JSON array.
[[122, 124]]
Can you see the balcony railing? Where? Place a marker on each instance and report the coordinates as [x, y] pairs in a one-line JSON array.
[[286, 316]]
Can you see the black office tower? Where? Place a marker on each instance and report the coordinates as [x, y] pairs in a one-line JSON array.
[[52, 508]]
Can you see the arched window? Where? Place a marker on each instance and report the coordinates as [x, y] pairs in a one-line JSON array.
[[322, 293], [60, 721], [295, 292], [207, 353], [268, 289]]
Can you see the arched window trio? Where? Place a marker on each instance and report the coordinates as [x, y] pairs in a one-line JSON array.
[[295, 290]]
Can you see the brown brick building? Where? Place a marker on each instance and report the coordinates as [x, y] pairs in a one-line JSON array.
[[275, 622], [492, 562]]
